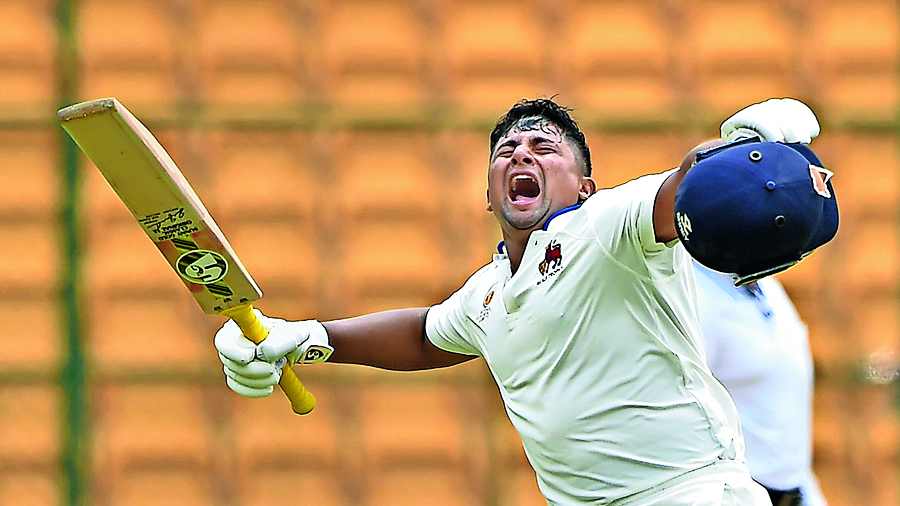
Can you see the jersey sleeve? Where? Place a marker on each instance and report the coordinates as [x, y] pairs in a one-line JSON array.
[[447, 326], [622, 219]]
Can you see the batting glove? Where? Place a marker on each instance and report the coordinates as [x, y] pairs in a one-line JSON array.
[[775, 120], [253, 370]]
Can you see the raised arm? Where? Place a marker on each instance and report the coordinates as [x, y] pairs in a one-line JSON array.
[[775, 120]]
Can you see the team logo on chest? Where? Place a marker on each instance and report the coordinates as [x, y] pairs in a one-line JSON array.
[[552, 263], [486, 306]]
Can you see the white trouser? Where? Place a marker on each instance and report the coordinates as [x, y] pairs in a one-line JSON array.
[[725, 483]]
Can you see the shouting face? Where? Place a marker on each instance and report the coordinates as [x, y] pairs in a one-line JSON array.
[[534, 172]]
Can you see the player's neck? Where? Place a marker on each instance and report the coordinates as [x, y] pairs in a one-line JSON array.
[[515, 241]]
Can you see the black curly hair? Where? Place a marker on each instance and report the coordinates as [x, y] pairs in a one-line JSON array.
[[548, 109]]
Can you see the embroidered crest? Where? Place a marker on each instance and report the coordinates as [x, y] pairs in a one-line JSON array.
[[552, 258]]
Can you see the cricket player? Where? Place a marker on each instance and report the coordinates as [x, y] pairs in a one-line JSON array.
[[586, 318], [757, 346]]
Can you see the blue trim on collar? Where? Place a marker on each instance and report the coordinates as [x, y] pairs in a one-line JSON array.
[[561, 211], [500, 246]]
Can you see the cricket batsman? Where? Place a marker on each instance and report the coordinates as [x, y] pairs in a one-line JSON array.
[[587, 316]]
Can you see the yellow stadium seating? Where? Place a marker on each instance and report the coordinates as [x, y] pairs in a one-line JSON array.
[[34, 154], [38, 342], [876, 325], [27, 54], [831, 426], [30, 422], [147, 427], [29, 488], [32, 248], [251, 52], [618, 158]]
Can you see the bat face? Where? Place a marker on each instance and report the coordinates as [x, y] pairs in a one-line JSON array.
[[168, 210]]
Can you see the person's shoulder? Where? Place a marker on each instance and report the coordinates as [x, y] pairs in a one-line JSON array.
[[482, 277]]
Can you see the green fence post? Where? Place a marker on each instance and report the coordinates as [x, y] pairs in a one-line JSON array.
[[73, 454]]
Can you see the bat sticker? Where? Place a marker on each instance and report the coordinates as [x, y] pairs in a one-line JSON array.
[[202, 266]]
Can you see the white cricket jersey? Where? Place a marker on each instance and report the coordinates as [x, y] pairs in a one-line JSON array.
[[758, 347], [594, 344]]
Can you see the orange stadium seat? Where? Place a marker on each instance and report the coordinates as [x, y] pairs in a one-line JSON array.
[[147, 487], [124, 330], [416, 486], [284, 254], [269, 486], [867, 173], [494, 54], [879, 416], [387, 174], [838, 484], [144, 71], [30, 422], [34, 154], [854, 65], [149, 427], [621, 67], [38, 343], [727, 72], [618, 158], [119, 256], [876, 325], [830, 425], [267, 434], [33, 256], [380, 67], [872, 255], [264, 174], [412, 424], [810, 277], [29, 488], [393, 263], [27, 53], [251, 52]]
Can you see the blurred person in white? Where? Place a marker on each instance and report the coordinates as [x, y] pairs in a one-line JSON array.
[[586, 319], [758, 347]]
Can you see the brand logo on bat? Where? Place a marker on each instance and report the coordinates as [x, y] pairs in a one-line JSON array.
[[201, 266]]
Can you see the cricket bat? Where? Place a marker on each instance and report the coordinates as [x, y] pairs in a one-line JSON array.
[[149, 183]]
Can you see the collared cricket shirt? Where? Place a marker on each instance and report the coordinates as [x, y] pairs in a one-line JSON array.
[[758, 347], [594, 346]]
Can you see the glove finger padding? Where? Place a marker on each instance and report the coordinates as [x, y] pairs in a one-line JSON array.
[[256, 383], [232, 344], [254, 370], [246, 391]]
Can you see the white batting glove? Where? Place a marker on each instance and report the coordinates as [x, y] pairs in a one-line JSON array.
[[253, 370], [775, 120]]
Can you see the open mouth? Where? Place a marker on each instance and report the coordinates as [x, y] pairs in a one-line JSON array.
[[524, 189]]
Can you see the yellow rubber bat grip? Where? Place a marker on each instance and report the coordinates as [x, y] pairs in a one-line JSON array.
[[302, 400]]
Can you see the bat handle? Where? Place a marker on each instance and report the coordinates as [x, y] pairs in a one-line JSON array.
[[302, 400]]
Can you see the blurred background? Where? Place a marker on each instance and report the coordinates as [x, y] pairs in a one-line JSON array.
[[342, 146]]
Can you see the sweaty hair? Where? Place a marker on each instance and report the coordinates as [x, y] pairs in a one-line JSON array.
[[548, 109]]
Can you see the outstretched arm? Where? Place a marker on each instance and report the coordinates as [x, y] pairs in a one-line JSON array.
[[392, 340]]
